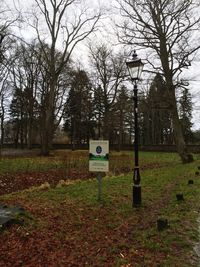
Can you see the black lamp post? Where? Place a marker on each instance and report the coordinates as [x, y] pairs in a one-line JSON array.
[[135, 67]]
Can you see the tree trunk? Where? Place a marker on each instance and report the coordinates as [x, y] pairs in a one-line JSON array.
[[29, 130], [46, 140], [106, 128], [48, 117], [46, 134], [16, 136], [31, 118], [73, 143], [185, 156], [2, 121], [45, 149], [21, 136]]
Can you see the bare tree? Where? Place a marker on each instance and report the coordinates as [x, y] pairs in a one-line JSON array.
[[5, 44], [24, 73], [166, 29], [66, 25], [4, 96], [109, 72]]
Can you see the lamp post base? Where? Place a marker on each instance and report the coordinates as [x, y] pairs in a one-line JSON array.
[[137, 199]]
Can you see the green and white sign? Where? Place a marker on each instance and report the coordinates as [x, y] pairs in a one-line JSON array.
[[99, 156]]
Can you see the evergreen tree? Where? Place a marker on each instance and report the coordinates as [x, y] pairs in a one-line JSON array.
[[155, 112], [121, 117], [19, 117], [78, 115], [186, 114]]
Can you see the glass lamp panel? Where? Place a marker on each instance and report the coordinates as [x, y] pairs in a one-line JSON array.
[[134, 72], [135, 67], [140, 69]]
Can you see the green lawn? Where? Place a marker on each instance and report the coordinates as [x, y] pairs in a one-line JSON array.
[[67, 159], [69, 227]]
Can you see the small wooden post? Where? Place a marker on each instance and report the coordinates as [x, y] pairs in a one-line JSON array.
[[162, 224], [179, 197]]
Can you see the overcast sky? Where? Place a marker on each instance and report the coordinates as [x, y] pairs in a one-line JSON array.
[[107, 35]]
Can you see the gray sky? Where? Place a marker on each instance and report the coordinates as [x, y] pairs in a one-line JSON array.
[[107, 35]]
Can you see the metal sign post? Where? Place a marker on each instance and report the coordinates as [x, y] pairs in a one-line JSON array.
[[99, 179]]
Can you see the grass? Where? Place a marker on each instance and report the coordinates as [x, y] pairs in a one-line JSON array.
[[112, 233], [14, 165], [78, 160]]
